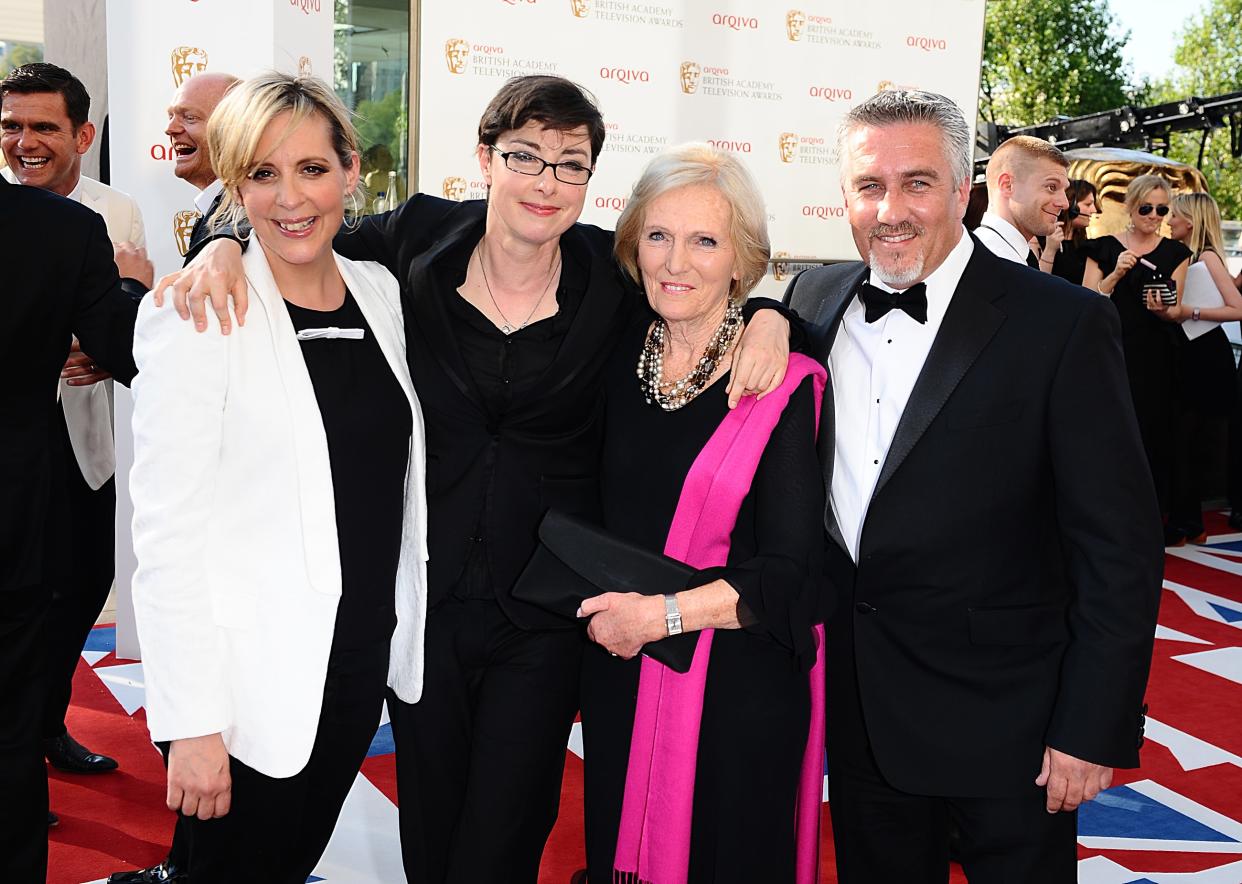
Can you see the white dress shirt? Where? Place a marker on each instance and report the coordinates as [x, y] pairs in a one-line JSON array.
[[1003, 239], [207, 196], [873, 367]]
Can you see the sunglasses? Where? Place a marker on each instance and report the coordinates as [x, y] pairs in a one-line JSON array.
[[1146, 209]]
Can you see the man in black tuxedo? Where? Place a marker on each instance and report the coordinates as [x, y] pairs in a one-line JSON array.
[[993, 535], [188, 113], [55, 287]]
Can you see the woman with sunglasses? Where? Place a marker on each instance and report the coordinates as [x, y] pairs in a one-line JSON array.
[[512, 309], [1123, 267]]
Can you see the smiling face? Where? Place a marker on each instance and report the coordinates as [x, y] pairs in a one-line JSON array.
[[534, 209], [904, 209], [39, 141], [187, 127], [685, 254], [295, 196], [1035, 193]]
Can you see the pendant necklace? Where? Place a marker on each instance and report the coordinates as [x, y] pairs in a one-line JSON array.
[[508, 327]]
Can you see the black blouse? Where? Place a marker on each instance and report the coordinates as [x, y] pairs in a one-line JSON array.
[[775, 556], [1070, 262], [367, 420], [1128, 295]]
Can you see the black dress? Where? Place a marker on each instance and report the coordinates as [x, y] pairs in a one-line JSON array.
[[1071, 262], [756, 702], [1151, 349]]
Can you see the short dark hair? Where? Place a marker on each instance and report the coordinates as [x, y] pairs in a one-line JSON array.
[[555, 102], [39, 77]]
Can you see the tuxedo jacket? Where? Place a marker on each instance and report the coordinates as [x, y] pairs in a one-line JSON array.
[[60, 280], [1010, 561], [88, 410], [545, 451], [230, 454]]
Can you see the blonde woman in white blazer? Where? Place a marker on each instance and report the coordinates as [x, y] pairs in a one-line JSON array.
[[280, 516]]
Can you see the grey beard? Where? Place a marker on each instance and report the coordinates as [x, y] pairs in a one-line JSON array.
[[890, 276]]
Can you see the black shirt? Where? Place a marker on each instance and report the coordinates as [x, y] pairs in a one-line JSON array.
[[367, 421], [502, 366]]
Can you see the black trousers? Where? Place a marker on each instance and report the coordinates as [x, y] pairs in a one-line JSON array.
[[480, 756], [277, 829], [23, 776], [77, 600], [883, 834]]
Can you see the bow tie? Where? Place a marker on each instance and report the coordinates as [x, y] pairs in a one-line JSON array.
[[878, 301]]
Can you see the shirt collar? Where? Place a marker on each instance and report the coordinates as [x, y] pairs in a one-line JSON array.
[[1010, 234], [207, 196], [76, 193]]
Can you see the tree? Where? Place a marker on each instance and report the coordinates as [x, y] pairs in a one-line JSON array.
[[1043, 58], [18, 55], [1209, 62]]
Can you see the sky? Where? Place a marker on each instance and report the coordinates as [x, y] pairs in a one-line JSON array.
[[1154, 28]]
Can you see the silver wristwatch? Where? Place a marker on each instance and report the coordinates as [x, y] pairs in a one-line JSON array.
[[672, 614]]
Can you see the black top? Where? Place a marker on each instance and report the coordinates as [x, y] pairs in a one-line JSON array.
[[1071, 262], [491, 475], [366, 418], [1128, 295], [777, 542]]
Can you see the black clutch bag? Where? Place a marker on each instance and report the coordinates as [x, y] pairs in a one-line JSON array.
[[576, 560]]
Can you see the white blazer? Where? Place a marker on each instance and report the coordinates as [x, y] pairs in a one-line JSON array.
[[234, 529]]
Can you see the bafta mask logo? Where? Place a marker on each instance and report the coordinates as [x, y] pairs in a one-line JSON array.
[[186, 62], [795, 24], [891, 86], [789, 147], [780, 266], [690, 73], [454, 188], [456, 54], [304, 66], [183, 226], [581, 8]]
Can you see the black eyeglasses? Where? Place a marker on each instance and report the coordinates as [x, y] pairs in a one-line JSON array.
[[1146, 209], [568, 172]]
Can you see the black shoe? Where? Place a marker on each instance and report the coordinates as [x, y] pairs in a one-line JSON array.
[[164, 873], [52, 820], [66, 753]]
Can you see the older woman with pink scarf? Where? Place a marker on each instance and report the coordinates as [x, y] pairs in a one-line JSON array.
[[713, 775]]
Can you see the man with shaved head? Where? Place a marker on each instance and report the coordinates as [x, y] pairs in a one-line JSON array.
[[1026, 194], [188, 113]]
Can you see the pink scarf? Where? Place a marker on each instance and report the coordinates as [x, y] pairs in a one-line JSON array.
[[653, 843]]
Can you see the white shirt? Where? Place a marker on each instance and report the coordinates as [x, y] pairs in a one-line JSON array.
[[1003, 239], [207, 196], [873, 367]]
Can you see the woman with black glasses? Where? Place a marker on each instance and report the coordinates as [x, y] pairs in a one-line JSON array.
[[1129, 268]]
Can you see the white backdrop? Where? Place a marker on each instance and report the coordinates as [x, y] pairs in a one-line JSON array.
[[152, 46], [763, 80]]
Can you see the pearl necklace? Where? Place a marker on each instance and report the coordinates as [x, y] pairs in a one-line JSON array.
[[651, 362]]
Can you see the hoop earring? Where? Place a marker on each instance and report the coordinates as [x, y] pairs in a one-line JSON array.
[[354, 212]]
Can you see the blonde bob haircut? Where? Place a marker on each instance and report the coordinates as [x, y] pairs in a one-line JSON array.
[[685, 166], [1141, 187], [241, 118], [1204, 217]]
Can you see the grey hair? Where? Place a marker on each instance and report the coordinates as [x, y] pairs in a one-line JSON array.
[[896, 106]]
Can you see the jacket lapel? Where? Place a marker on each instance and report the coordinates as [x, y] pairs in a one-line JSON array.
[[426, 305], [310, 441], [969, 323]]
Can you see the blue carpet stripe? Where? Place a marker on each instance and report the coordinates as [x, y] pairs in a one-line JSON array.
[[101, 639], [1122, 812]]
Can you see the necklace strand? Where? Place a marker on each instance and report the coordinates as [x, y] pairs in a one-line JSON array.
[[508, 327], [680, 392]]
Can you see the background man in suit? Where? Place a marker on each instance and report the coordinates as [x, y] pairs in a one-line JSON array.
[[54, 287], [44, 132], [993, 533], [1026, 195], [188, 113]]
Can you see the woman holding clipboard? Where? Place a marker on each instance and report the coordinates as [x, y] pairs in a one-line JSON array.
[[1206, 370]]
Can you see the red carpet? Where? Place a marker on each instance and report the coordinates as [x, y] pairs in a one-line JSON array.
[[1180, 813]]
